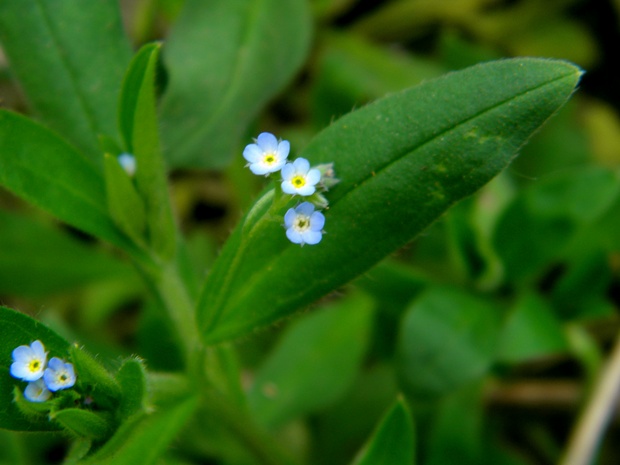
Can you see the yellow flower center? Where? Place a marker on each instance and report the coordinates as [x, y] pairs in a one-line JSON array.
[[302, 222], [298, 181], [34, 365], [269, 158]]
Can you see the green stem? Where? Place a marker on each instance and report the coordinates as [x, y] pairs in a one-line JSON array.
[[181, 309], [203, 369], [590, 428]]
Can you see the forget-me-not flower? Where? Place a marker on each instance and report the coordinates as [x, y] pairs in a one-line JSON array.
[[29, 361], [37, 391], [304, 225], [267, 155], [128, 163], [299, 178], [59, 375]]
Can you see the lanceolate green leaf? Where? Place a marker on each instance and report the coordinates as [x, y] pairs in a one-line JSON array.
[[83, 423], [402, 162], [226, 59], [393, 441], [17, 329], [124, 204], [43, 169], [132, 379], [138, 126], [70, 61]]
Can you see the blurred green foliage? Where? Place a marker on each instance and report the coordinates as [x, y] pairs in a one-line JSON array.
[[492, 324]]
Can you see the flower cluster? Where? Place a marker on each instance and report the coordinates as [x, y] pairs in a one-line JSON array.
[[304, 224], [30, 364]]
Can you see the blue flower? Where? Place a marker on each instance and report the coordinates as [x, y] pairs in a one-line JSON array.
[[37, 391], [298, 178], [59, 375], [304, 225], [29, 361], [128, 163], [267, 155]]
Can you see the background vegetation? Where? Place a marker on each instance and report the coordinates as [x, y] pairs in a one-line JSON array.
[[494, 324]]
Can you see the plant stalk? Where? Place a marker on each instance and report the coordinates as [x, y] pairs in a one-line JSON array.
[[590, 427], [180, 306]]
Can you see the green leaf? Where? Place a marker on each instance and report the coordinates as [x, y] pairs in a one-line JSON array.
[[125, 205], [531, 330], [546, 217], [582, 289], [393, 284], [353, 418], [448, 339], [70, 64], [392, 443], [39, 259], [83, 423], [226, 59], [17, 329], [456, 435], [402, 161], [132, 379], [138, 126], [144, 438], [43, 169], [105, 391], [34, 411], [315, 362]]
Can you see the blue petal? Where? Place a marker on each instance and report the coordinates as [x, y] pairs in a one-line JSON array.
[[252, 153], [313, 176], [128, 163], [38, 349], [305, 208], [49, 377], [267, 142], [294, 236], [22, 353], [20, 370], [312, 237], [306, 190], [36, 391], [258, 168], [56, 364], [301, 165], [69, 368], [289, 217], [288, 171], [317, 221], [288, 188], [284, 147]]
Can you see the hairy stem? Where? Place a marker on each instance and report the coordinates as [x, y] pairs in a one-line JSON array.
[[210, 369]]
